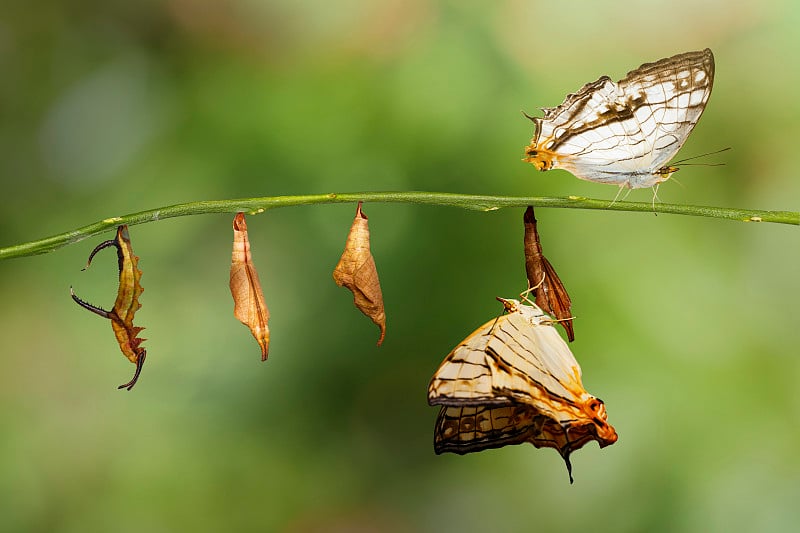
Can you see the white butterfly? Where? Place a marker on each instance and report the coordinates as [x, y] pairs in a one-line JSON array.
[[624, 133]]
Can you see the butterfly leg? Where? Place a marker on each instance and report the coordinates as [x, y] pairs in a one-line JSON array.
[[524, 294], [621, 187], [655, 197]]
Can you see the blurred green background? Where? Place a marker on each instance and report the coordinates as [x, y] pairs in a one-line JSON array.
[[687, 327]]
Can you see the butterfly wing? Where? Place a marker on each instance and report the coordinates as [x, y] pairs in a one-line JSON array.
[[464, 378], [529, 360], [511, 381], [531, 364], [623, 133], [673, 93], [465, 429]]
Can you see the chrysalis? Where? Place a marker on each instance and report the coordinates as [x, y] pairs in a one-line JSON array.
[[248, 298], [515, 380], [551, 296], [356, 270], [126, 304]]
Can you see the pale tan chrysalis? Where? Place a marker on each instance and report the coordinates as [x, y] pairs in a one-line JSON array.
[[248, 299], [356, 270]]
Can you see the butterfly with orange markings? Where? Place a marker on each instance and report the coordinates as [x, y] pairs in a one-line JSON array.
[[625, 133], [514, 380]]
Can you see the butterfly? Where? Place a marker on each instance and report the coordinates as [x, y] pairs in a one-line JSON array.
[[624, 133], [511, 381]]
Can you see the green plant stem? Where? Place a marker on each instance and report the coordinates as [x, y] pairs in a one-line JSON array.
[[463, 201]]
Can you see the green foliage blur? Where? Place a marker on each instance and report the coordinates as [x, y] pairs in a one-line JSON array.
[[686, 327]]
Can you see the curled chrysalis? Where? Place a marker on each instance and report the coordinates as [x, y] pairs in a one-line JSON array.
[[126, 304]]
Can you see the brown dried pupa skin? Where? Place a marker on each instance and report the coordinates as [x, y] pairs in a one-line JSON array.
[[356, 270], [550, 294], [248, 298]]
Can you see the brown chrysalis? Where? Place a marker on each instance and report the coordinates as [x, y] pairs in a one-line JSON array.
[[356, 270], [248, 298], [550, 294]]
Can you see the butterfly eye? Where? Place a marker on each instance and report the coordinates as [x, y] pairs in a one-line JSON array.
[[596, 405]]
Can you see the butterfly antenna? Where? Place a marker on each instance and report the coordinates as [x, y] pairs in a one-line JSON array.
[[505, 310], [491, 329], [703, 164], [703, 155]]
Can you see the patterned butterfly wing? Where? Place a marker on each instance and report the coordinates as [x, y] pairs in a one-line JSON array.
[[464, 378], [528, 359], [469, 374], [514, 380], [569, 437], [624, 133], [466, 429], [531, 364]]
